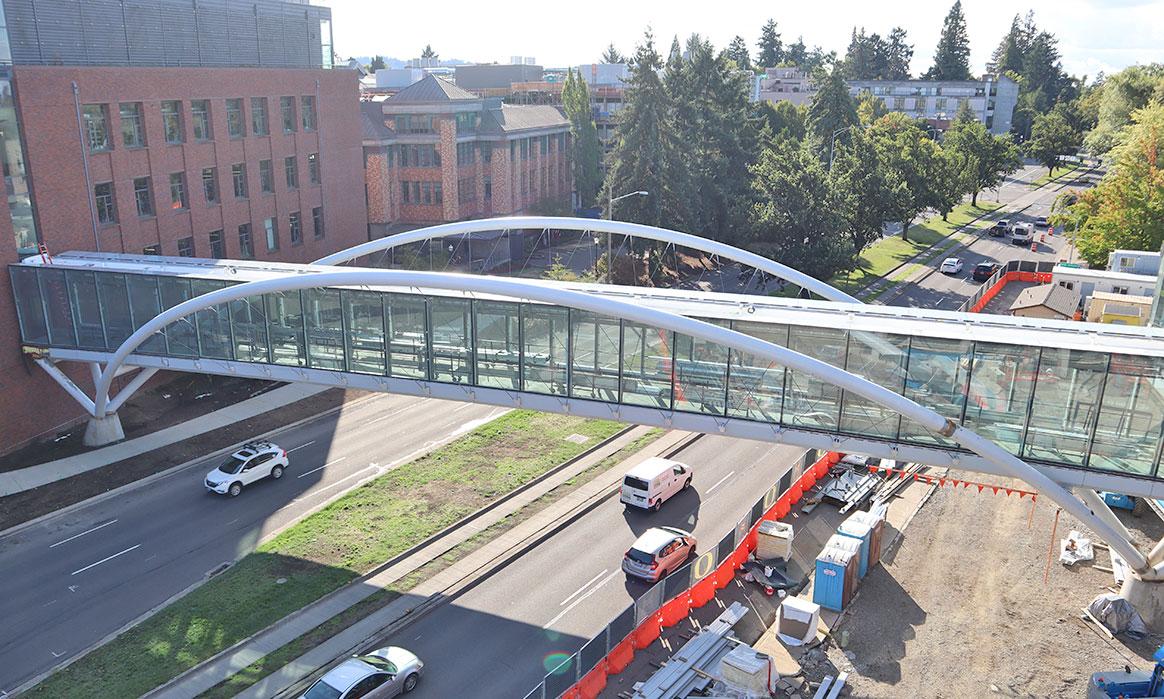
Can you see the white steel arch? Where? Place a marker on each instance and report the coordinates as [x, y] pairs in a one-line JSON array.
[[521, 290], [636, 230]]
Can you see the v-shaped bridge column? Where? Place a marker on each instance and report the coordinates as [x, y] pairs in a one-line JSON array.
[[104, 426]]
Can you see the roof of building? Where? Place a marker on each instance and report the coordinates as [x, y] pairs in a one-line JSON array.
[[1057, 298], [430, 89], [1122, 298], [521, 117], [1062, 270], [372, 122]]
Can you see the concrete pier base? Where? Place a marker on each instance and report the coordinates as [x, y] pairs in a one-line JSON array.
[[103, 430], [1148, 599]]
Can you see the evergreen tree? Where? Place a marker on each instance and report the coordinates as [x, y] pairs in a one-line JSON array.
[[900, 54], [737, 50], [952, 57], [587, 149], [796, 54], [611, 55], [870, 107], [783, 120], [1008, 57], [376, 64], [429, 53], [771, 50], [831, 109]]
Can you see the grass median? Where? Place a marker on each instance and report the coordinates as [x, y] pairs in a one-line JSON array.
[[344, 540], [1063, 171], [882, 257]]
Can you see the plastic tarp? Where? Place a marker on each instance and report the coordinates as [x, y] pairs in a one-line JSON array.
[[1118, 615]]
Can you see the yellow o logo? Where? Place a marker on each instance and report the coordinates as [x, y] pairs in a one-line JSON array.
[[704, 565]]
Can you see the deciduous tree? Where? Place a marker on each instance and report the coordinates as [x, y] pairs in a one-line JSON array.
[[586, 148], [1051, 138]]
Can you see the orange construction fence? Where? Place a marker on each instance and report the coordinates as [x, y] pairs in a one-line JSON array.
[[1037, 277]]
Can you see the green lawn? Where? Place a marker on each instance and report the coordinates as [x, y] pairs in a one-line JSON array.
[[1059, 172], [346, 539], [882, 257]]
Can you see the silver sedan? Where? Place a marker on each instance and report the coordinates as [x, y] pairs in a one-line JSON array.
[[383, 673]]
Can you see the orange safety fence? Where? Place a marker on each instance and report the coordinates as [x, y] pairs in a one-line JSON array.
[[1035, 277], [703, 591]]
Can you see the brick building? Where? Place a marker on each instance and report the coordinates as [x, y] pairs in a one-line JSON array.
[[184, 129], [434, 152]]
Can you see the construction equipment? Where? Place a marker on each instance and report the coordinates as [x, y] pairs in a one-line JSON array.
[[1129, 683]]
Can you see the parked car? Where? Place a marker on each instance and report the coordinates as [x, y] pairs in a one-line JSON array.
[[951, 265], [1041, 222], [1000, 228], [254, 462], [984, 271], [653, 482], [383, 673], [658, 552], [1022, 234]]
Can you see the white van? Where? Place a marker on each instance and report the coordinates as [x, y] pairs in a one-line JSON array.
[[654, 481], [1022, 234]]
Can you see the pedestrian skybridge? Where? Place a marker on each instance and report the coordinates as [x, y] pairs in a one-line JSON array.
[[1084, 402]]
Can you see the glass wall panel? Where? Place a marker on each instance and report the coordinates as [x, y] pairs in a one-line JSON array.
[[213, 323], [1001, 382], [285, 328], [248, 319], [114, 308], [365, 313], [451, 340], [145, 302], [407, 336], [325, 328], [700, 374], [86, 310], [646, 365], [594, 356], [181, 337], [1065, 405], [756, 386], [1130, 415], [881, 359], [498, 348], [29, 305], [545, 332], [938, 370], [55, 297], [811, 402]]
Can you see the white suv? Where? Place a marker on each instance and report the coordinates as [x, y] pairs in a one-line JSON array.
[[253, 462]]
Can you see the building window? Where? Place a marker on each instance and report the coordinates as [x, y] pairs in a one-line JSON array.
[[525, 183], [236, 126], [271, 228], [287, 106], [132, 132], [291, 168], [419, 155], [488, 188], [217, 245], [467, 122], [143, 196], [313, 167], [317, 221], [96, 130], [307, 109], [172, 121], [186, 247], [259, 124], [436, 193], [266, 177], [898, 104], [210, 184], [106, 208], [416, 193], [940, 104], [486, 152], [426, 192], [404, 193], [466, 153], [178, 191], [296, 226], [154, 249], [414, 123], [246, 247], [201, 111], [238, 173]]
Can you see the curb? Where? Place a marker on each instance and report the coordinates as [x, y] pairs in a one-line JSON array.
[[1061, 175], [130, 487], [378, 569]]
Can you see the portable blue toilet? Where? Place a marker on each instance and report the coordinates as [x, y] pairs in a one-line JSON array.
[[836, 578], [855, 528]]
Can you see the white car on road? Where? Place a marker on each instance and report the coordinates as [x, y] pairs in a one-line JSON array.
[[253, 462], [951, 265]]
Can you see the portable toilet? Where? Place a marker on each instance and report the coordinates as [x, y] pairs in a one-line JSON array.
[[860, 531], [875, 519], [836, 578], [774, 540]]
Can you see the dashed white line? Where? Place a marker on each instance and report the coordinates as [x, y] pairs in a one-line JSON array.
[[87, 531], [578, 601], [308, 473], [720, 482], [579, 590], [339, 482], [107, 558], [307, 444], [394, 413]]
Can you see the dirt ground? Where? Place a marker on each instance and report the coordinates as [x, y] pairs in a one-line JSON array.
[[959, 607]]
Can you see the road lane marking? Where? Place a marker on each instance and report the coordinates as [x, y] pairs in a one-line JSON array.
[[339, 482], [301, 446], [87, 531], [395, 412], [578, 601], [720, 482], [579, 590], [308, 473], [107, 558]]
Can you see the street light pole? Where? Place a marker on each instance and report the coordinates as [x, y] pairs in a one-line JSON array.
[[610, 199]]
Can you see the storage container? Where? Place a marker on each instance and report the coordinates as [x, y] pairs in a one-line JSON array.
[[774, 540]]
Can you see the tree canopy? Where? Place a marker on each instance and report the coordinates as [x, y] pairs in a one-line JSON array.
[[832, 108], [869, 57], [986, 158], [429, 53], [587, 149], [612, 55], [952, 56], [737, 50], [1051, 138], [771, 51], [1117, 97]]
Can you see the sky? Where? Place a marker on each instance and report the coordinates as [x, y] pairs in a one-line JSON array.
[[1093, 36]]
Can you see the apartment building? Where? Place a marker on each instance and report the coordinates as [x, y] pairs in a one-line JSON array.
[[180, 129], [434, 152]]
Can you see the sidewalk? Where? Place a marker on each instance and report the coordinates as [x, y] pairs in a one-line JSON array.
[[18, 481], [428, 594]]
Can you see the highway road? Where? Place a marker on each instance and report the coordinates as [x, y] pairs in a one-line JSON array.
[[72, 579], [497, 639]]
